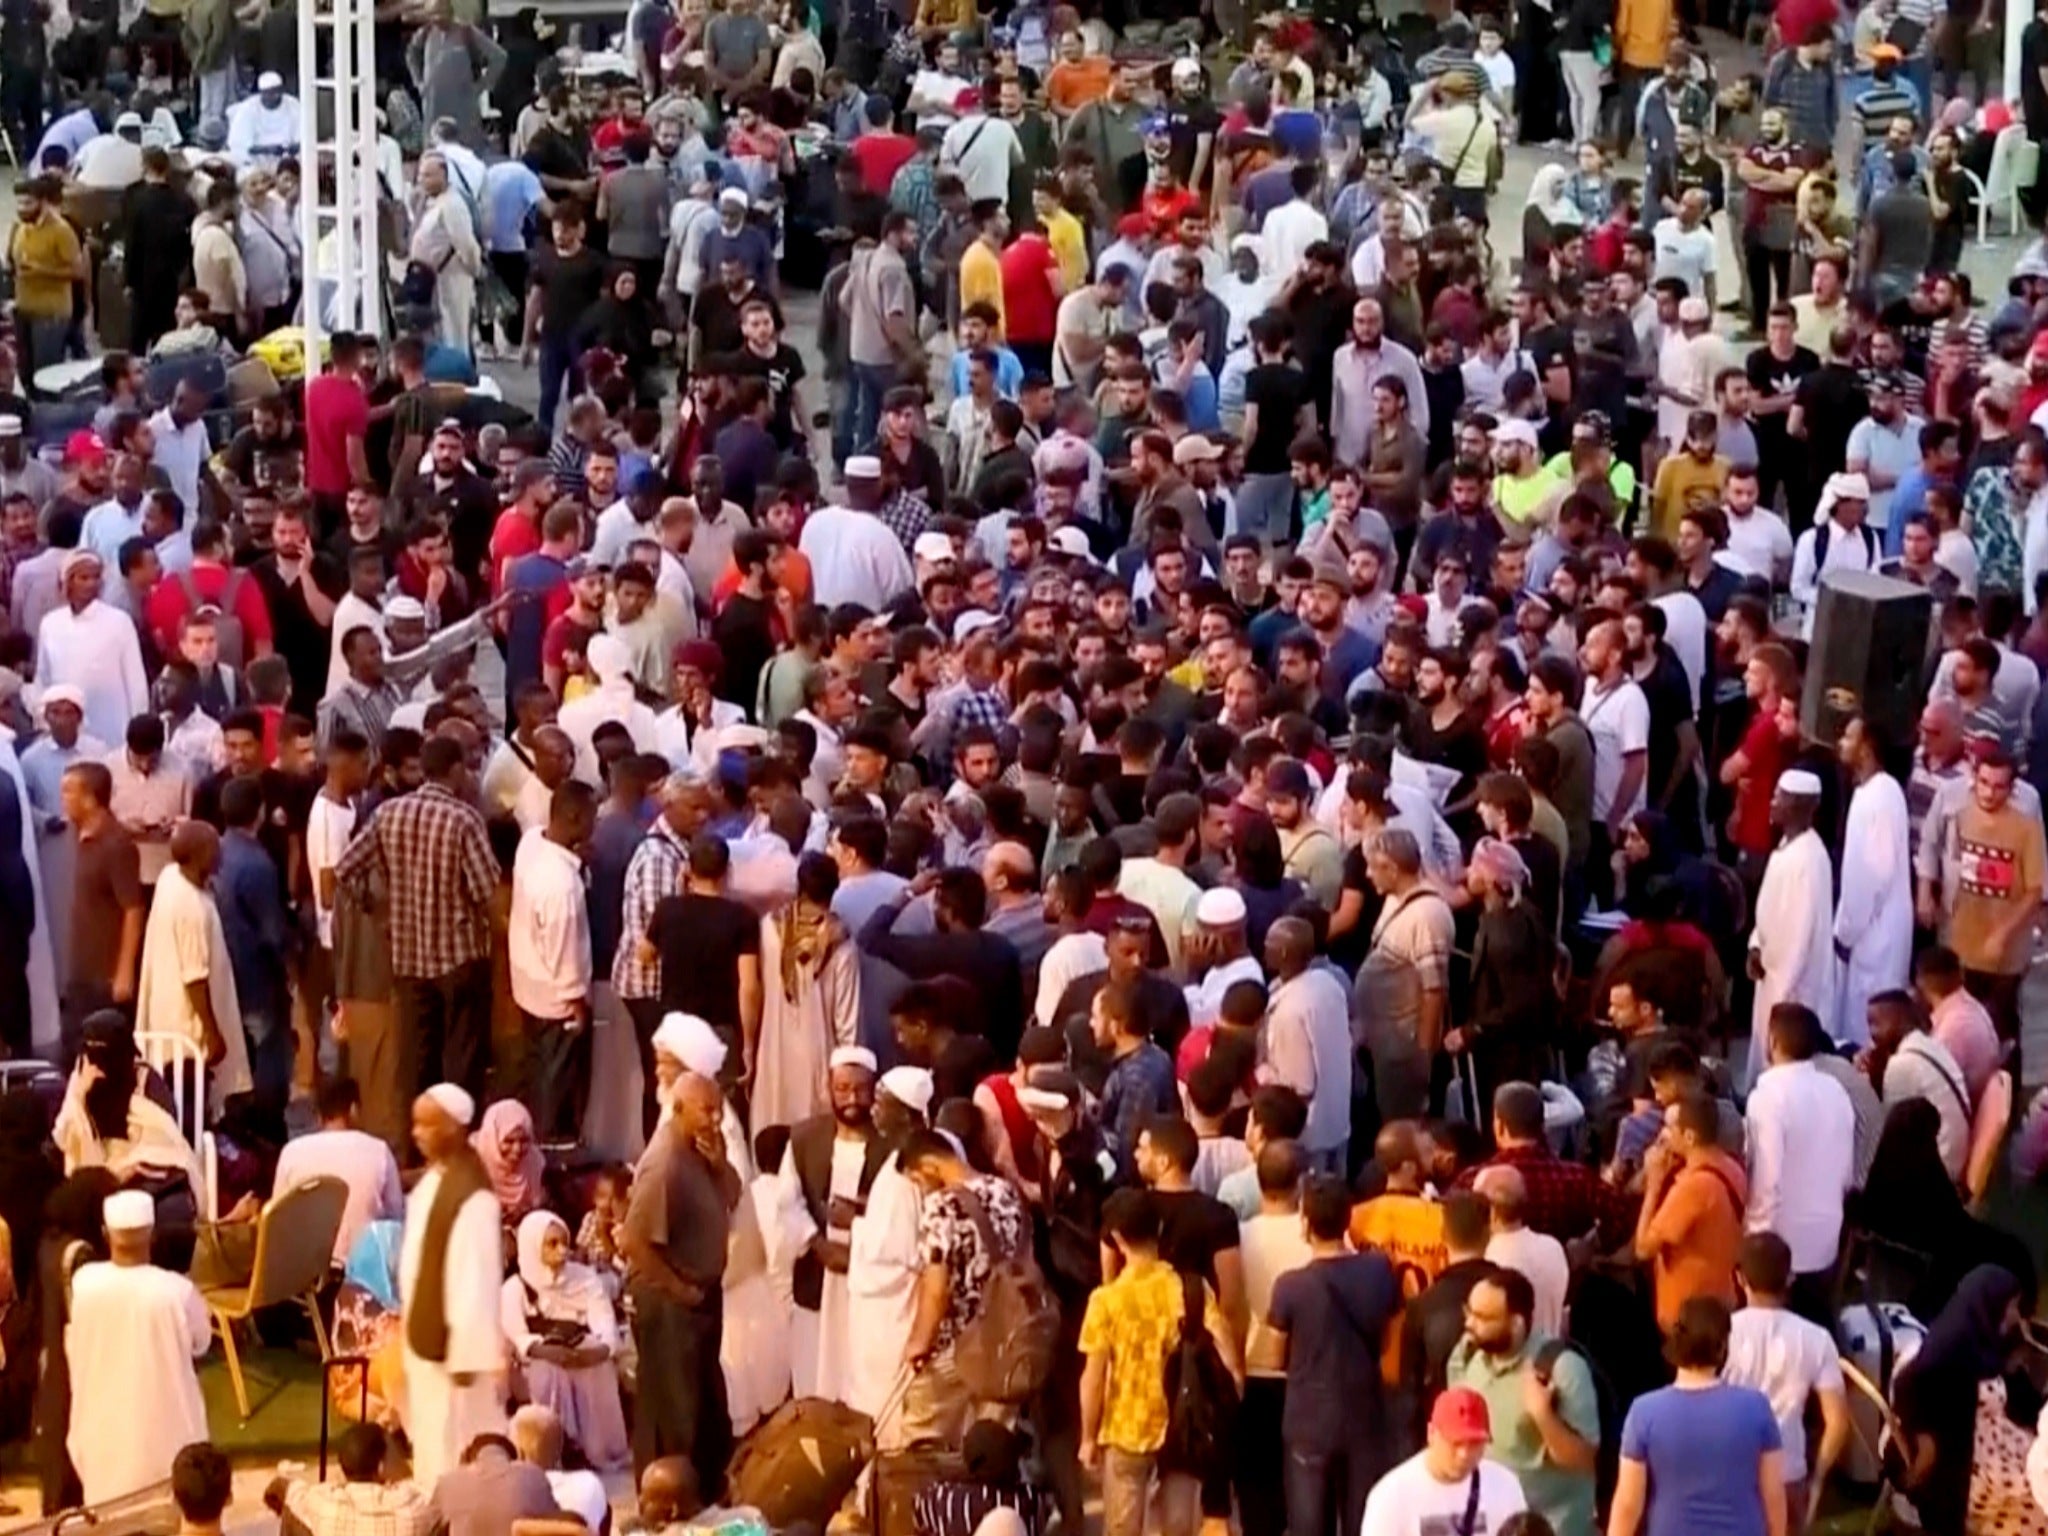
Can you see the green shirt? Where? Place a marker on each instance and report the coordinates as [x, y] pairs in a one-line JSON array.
[[1563, 1498], [1518, 496]]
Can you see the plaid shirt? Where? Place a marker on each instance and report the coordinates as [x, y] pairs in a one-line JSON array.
[[1807, 96], [435, 859], [567, 459], [361, 1509], [907, 516], [657, 870], [1566, 1200]]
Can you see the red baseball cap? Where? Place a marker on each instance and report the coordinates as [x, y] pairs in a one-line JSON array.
[[82, 445], [1459, 1415]]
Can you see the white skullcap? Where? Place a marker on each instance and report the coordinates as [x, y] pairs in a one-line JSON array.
[[608, 657], [1847, 487], [1219, 907], [972, 622], [932, 547], [131, 1210], [76, 558], [64, 693], [455, 1103], [1797, 781], [733, 197], [854, 1056], [403, 607], [863, 466], [270, 80], [910, 1086], [689, 1041]]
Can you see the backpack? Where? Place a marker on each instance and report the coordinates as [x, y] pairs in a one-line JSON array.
[[227, 623], [1201, 1398], [1005, 1354], [1608, 1406]]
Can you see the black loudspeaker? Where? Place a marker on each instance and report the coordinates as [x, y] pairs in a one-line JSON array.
[[1871, 636]]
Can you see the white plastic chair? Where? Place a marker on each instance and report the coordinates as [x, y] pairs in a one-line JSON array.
[[181, 1062], [2015, 162]]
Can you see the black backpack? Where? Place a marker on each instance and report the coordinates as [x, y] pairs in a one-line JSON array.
[[1607, 1458], [1201, 1397]]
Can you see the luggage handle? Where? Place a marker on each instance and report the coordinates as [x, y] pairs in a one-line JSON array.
[[327, 1370]]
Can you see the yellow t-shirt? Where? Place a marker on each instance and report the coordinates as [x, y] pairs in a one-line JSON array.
[[1683, 483], [1813, 325], [1069, 246], [1135, 1320], [1521, 497], [44, 254], [981, 281]]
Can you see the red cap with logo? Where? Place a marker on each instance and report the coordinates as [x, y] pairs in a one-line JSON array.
[[1459, 1415]]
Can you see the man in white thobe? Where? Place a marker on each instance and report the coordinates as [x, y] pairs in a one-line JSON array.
[[451, 1269], [1800, 1131], [134, 1333], [264, 127], [1791, 948], [831, 1163], [94, 648], [854, 555], [186, 985], [1874, 914], [884, 1263]]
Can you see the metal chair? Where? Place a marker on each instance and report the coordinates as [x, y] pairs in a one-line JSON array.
[[1861, 1384], [294, 1251], [1987, 1136], [181, 1062]]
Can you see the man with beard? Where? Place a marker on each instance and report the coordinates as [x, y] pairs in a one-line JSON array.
[[1674, 750], [454, 491], [1547, 1438], [883, 1259], [832, 1161], [1346, 652]]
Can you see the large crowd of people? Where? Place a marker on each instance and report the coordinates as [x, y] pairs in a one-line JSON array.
[[1191, 852]]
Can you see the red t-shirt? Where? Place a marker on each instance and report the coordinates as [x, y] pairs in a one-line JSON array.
[[561, 633], [1030, 307], [516, 534], [880, 156], [336, 410], [1765, 752], [168, 603]]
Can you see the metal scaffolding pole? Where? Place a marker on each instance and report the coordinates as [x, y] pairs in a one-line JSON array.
[[338, 226]]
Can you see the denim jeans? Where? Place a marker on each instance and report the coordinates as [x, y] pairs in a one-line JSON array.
[[557, 368], [1326, 1490], [869, 383], [1265, 507]]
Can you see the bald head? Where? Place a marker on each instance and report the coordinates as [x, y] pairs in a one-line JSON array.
[[1290, 945], [1007, 868], [668, 1492], [1506, 1191], [537, 1432], [195, 847], [1399, 1151]]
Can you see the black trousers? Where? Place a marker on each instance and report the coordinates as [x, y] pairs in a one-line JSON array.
[[554, 1077], [646, 1015], [1763, 266], [1261, 1458], [444, 1027], [680, 1408]]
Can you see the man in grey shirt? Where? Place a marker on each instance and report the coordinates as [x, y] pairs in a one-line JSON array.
[[491, 1489], [737, 49]]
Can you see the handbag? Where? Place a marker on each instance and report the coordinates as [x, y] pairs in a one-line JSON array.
[[564, 1331]]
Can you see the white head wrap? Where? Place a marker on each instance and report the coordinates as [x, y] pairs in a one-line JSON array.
[[455, 1103]]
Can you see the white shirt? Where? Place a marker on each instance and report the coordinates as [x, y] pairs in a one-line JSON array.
[[1071, 957], [361, 1161], [96, 651], [1409, 1501], [184, 943], [1801, 1135], [1685, 631], [854, 559], [1924, 1068], [257, 132], [1954, 553], [1540, 1257], [1757, 544], [678, 738], [350, 613], [110, 162], [1485, 376], [329, 825], [106, 528], [617, 528], [1686, 254], [1849, 549], [980, 150], [1788, 1359], [134, 1334], [580, 718], [198, 743], [1269, 1246], [1618, 720], [549, 937], [1205, 997], [1289, 231]]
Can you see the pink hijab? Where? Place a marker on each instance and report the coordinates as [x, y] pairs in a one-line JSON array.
[[516, 1179]]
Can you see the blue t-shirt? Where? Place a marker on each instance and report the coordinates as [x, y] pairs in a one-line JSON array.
[[526, 623], [1009, 373], [1200, 399], [1698, 1447]]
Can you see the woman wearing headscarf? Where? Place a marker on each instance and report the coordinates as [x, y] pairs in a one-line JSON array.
[[810, 1003], [1963, 1456], [1546, 207], [1514, 961], [504, 1140], [564, 1336], [1910, 1205], [623, 322], [367, 1324], [110, 1118]]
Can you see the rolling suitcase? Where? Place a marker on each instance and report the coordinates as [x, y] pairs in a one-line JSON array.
[[800, 1463]]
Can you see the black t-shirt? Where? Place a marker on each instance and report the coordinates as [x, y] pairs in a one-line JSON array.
[[1669, 695], [1603, 346], [568, 285], [1278, 390], [700, 940], [299, 638], [1186, 122], [1193, 1229], [959, 1067], [783, 369], [248, 449], [744, 630], [718, 317], [2033, 59], [1833, 399], [551, 152]]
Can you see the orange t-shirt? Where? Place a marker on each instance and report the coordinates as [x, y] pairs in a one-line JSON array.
[[1409, 1230], [1072, 85], [1700, 1228], [791, 570]]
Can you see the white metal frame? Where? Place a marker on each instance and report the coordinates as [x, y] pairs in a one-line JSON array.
[[180, 1061], [346, 149]]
